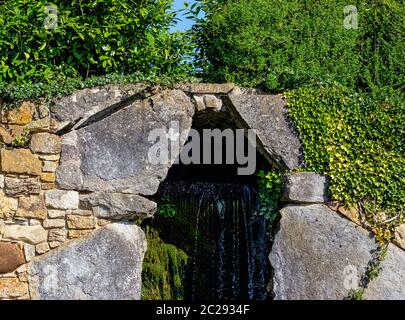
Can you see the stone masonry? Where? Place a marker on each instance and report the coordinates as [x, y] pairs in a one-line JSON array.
[[72, 189]]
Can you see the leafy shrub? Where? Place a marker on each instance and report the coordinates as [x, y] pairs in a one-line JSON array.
[[356, 140], [91, 38], [278, 44]]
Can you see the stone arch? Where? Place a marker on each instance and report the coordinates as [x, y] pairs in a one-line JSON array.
[[105, 147], [105, 140]]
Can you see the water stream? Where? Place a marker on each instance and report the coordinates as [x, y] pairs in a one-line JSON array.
[[219, 227]]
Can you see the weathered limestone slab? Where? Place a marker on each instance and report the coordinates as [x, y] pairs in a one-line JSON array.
[[20, 161], [305, 187], [390, 284], [208, 102], [49, 166], [31, 207], [57, 235], [29, 252], [21, 115], [40, 125], [48, 177], [56, 213], [21, 186], [267, 116], [7, 206], [102, 157], [82, 212], [29, 234], [49, 157], [84, 103], [105, 265], [11, 257], [400, 236], [76, 233], [45, 143], [5, 136], [12, 288], [80, 222], [117, 205], [54, 223], [315, 252], [207, 88], [42, 248], [60, 199]]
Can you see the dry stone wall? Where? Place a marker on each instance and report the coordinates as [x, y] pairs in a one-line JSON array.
[[35, 216]]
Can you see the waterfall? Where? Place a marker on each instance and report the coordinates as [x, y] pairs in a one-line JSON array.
[[220, 228]]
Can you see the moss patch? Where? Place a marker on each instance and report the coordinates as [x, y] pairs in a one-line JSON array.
[[164, 269]]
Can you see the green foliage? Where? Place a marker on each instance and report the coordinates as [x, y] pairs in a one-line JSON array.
[[374, 267], [166, 208], [164, 268], [91, 38], [22, 140], [358, 142], [16, 92], [270, 191], [372, 272], [355, 294], [278, 44]]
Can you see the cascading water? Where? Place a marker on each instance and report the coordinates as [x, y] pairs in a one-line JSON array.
[[219, 226]]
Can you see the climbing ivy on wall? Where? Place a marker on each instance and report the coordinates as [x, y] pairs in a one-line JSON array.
[[270, 185], [359, 142], [16, 92], [164, 268]]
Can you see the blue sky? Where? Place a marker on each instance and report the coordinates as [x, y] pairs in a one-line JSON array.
[[185, 23]]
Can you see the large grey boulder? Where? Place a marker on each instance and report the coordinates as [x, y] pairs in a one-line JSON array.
[[390, 284], [70, 110], [267, 116], [318, 254], [112, 154], [305, 187], [106, 265], [117, 205]]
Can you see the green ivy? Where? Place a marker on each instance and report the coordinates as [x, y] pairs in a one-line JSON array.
[[18, 92], [359, 142], [270, 191]]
